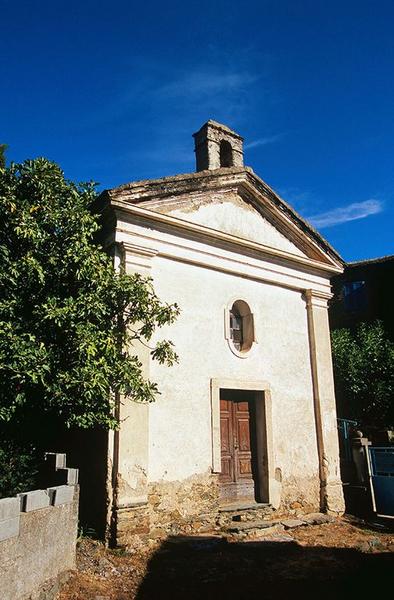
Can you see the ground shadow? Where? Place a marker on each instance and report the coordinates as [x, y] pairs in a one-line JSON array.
[[205, 568]]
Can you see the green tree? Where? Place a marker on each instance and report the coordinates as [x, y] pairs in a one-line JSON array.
[[18, 467], [3, 148], [66, 316], [363, 362]]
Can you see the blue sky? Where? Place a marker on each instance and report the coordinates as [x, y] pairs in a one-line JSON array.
[[112, 91]]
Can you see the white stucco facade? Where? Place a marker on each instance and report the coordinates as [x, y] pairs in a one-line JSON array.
[[208, 240]]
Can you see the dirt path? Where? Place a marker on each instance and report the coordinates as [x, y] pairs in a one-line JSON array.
[[334, 560]]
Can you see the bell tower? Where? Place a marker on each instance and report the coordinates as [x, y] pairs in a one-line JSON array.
[[216, 146]]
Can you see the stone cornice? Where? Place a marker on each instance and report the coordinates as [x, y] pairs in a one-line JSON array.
[[205, 234], [165, 244], [138, 191], [248, 185]]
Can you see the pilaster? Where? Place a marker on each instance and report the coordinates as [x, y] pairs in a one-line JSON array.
[[131, 441], [331, 493]]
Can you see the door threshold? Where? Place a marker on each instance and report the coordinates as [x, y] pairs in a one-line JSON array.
[[241, 505]]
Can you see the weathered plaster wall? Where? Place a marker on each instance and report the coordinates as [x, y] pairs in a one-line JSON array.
[[204, 279], [280, 357], [226, 211]]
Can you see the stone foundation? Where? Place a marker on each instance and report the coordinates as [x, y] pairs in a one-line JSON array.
[[173, 505], [132, 527], [300, 496], [334, 499], [176, 507], [192, 506]]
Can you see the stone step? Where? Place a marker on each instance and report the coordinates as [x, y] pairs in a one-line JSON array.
[[242, 512], [273, 538], [240, 506], [249, 525], [269, 525]]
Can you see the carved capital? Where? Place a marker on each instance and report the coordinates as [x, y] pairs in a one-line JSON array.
[[316, 298], [137, 258]]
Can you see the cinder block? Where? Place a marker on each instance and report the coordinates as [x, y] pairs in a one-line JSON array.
[[9, 528], [57, 459], [9, 508], [21, 499], [61, 494], [66, 477], [34, 500], [72, 476]]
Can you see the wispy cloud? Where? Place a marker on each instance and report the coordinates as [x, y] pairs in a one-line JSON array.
[[207, 82], [343, 214], [158, 105], [264, 141], [187, 98]]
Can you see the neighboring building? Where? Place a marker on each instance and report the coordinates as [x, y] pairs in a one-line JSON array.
[[248, 414], [361, 294]]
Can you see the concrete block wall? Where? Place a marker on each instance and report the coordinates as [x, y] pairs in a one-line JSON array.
[[38, 533]]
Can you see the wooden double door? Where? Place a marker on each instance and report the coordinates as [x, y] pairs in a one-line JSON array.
[[238, 478]]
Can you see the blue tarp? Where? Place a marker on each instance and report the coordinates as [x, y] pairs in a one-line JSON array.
[[382, 478]]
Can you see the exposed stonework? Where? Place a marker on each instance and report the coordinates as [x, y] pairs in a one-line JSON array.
[[174, 505], [300, 495], [334, 501], [217, 146], [131, 527], [173, 511], [265, 529], [192, 506], [242, 514], [188, 506]]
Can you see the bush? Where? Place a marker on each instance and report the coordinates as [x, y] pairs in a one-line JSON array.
[[19, 466], [363, 363]]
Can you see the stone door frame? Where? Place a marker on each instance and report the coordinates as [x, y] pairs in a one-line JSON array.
[[267, 485]]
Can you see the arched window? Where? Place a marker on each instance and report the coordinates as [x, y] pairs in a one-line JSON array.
[[240, 328], [236, 327], [226, 154]]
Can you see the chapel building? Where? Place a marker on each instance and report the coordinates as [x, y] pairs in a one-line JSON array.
[[247, 417]]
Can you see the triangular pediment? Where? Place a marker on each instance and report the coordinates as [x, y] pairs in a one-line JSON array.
[[232, 201], [227, 212]]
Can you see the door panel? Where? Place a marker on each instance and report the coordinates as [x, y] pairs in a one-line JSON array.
[[226, 436], [226, 433], [245, 467], [243, 427], [236, 421]]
